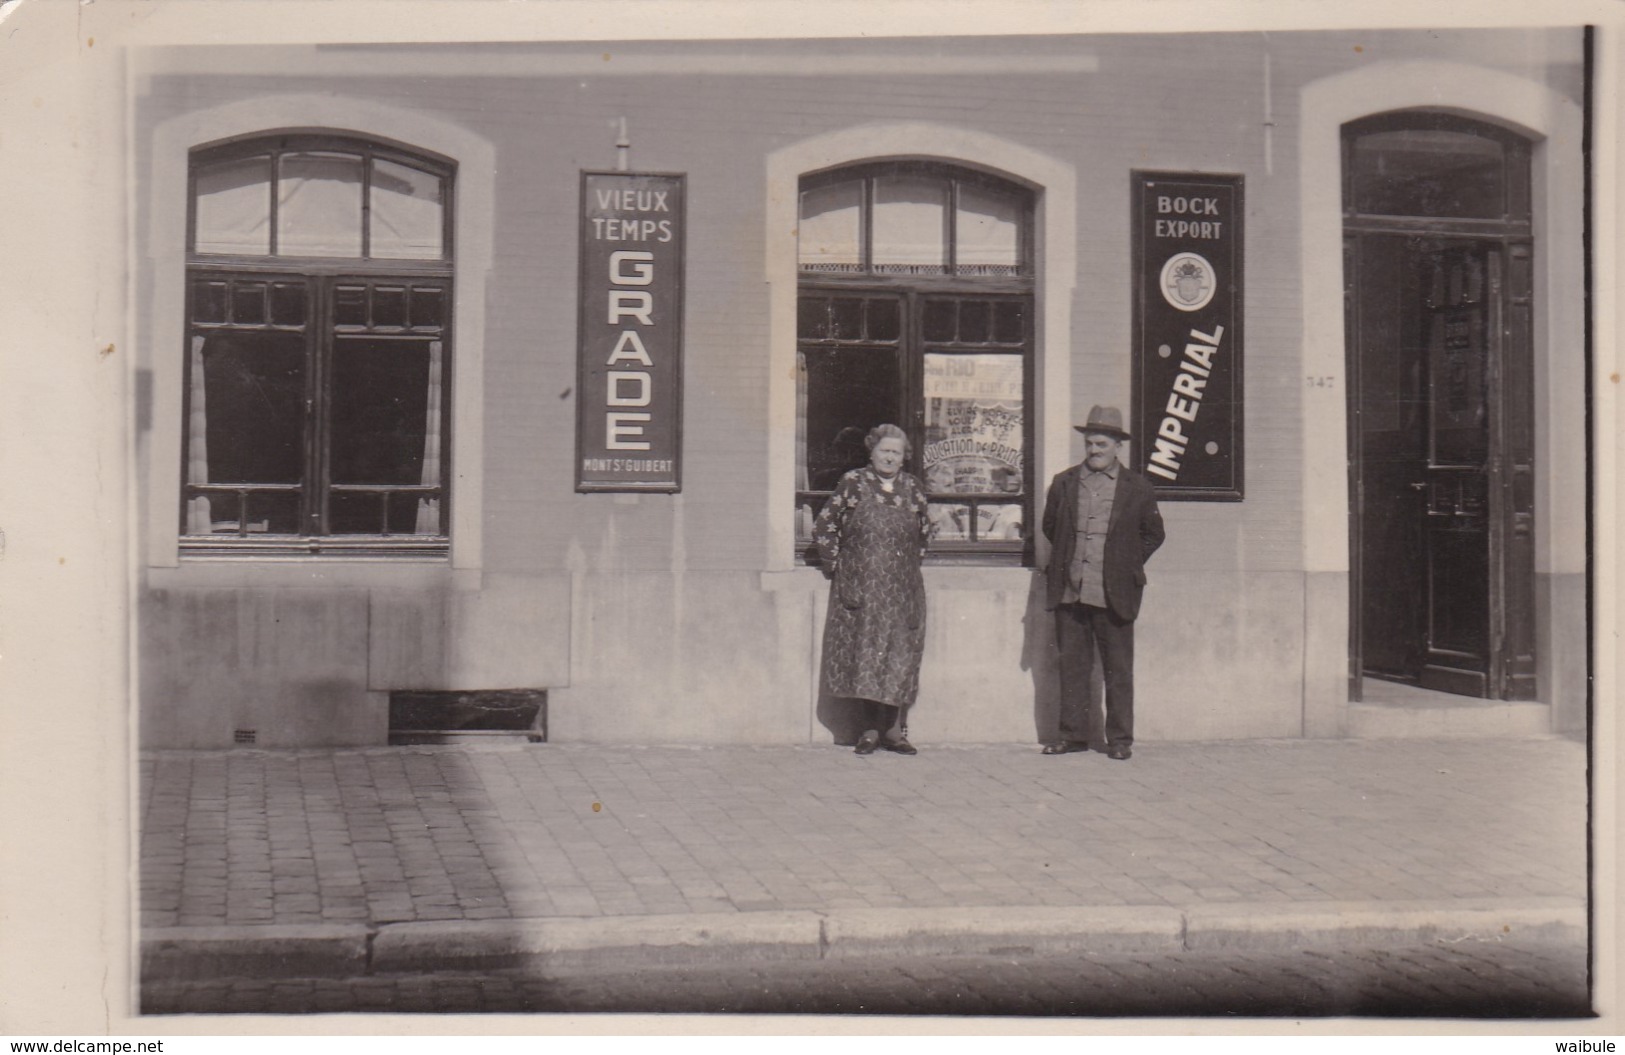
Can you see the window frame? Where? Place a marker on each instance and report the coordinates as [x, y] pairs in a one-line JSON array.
[[322, 275], [912, 290], [1516, 168]]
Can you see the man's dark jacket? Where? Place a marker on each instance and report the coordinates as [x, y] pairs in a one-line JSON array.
[[1134, 533]]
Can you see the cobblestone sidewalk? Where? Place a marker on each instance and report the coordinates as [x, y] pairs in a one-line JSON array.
[[387, 835]]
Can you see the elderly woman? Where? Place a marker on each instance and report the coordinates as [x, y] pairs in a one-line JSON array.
[[871, 535]]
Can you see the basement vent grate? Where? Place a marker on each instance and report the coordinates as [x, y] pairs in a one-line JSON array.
[[244, 736], [464, 716]]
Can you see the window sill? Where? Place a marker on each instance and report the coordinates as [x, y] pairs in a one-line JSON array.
[[287, 547], [205, 562]]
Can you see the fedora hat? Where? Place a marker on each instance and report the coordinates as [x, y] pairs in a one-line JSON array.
[[1108, 420]]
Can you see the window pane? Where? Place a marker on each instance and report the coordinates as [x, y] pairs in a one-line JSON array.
[[1421, 172], [406, 212], [389, 306], [828, 236], [208, 302], [252, 396], [941, 320], [248, 303], [414, 513], [991, 522], [846, 319], [210, 513], [383, 513], [267, 513], [950, 521], [807, 511], [273, 513], [812, 318], [909, 222], [848, 391], [884, 320], [1000, 523], [1007, 321], [986, 239], [319, 205], [379, 411], [973, 424], [288, 304], [350, 306], [975, 318], [357, 512], [234, 207], [428, 308]]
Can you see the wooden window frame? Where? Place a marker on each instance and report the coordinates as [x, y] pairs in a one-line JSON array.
[[912, 290], [1515, 166], [321, 276]]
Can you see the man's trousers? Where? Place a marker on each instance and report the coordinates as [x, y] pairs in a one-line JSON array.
[[1079, 630]]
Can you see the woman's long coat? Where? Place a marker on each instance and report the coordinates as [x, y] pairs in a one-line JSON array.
[[871, 542]]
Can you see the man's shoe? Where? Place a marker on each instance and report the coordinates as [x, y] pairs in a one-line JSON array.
[[901, 746], [867, 743], [1119, 751], [1065, 747]]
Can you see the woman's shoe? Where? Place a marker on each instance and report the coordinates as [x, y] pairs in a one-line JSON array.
[[868, 742], [901, 746]]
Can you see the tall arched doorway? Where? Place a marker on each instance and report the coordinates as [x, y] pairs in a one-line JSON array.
[[1438, 271]]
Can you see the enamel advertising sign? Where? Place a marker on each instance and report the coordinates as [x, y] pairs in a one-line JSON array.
[[1188, 412], [629, 391]]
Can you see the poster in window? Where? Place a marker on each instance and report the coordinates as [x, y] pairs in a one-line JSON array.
[[974, 417], [1188, 407], [629, 372]]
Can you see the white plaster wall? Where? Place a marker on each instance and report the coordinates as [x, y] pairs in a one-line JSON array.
[[290, 664], [732, 658], [705, 658], [512, 633]]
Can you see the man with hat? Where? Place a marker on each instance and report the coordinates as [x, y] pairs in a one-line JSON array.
[[1102, 522]]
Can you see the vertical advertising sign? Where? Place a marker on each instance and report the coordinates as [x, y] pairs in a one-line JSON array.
[[1188, 406], [629, 372]]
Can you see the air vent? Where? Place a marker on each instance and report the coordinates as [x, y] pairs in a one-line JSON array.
[[432, 717], [244, 736]]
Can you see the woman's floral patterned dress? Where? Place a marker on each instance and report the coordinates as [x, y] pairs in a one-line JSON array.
[[871, 541]]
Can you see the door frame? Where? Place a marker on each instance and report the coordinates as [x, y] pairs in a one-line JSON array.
[[1509, 353], [1505, 669], [1554, 122]]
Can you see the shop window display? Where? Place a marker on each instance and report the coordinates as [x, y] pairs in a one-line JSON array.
[[318, 350], [916, 302]]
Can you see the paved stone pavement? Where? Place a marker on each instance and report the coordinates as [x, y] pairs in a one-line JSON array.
[[1468, 980], [379, 836]]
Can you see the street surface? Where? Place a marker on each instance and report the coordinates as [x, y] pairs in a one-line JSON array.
[[1472, 979]]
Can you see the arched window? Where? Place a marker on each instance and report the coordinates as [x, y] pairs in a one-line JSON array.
[[916, 307], [318, 357], [1419, 163]]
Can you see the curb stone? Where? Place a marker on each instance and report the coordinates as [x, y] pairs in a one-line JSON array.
[[597, 941], [1363, 923], [575, 943], [271, 950], [1026, 931]]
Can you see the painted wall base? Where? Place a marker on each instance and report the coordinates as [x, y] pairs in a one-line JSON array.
[[733, 657]]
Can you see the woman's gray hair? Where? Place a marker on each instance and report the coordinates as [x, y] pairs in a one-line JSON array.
[[888, 432]]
